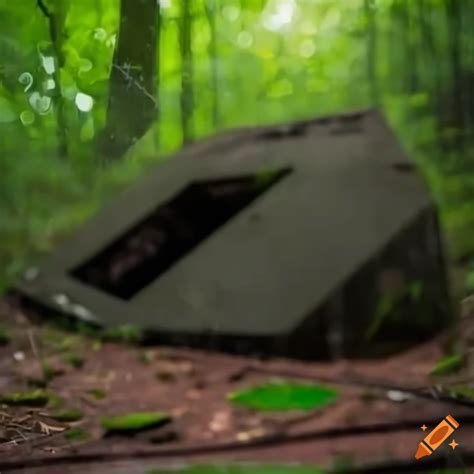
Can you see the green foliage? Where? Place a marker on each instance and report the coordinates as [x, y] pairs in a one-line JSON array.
[[251, 65], [36, 398], [462, 391], [448, 365], [133, 422], [126, 333], [284, 396], [67, 415]]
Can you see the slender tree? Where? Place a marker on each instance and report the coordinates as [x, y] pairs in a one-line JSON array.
[[453, 14], [156, 135], [132, 105], [431, 56], [369, 10], [55, 19], [187, 93], [211, 13]]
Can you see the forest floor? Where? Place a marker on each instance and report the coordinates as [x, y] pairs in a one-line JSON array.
[[376, 421]]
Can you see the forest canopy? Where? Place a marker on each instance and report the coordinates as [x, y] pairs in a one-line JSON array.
[[92, 92]]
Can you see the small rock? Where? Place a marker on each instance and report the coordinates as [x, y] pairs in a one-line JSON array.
[[19, 356], [245, 436], [220, 422], [398, 396]]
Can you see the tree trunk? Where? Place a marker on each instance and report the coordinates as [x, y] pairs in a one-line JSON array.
[[132, 104], [157, 132], [55, 25], [454, 29], [431, 55], [372, 50], [187, 95], [210, 6]]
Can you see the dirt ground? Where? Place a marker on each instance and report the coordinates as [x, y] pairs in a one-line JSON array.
[[377, 420]]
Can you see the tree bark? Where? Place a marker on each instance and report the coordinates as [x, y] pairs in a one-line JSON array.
[[454, 31], [132, 105], [372, 50], [187, 93], [55, 25], [210, 6]]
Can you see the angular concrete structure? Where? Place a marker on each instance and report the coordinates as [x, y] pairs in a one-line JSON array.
[[311, 239]]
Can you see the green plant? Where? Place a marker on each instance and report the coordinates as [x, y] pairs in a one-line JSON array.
[[132, 422], [284, 396], [448, 364], [36, 398]]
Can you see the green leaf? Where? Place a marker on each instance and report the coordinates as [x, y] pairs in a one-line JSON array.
[[36, 398], [132, 422], [7, 113], [87, 130], [448, 364], [27, 117], [284, 396], [419, 100], [68, 415]]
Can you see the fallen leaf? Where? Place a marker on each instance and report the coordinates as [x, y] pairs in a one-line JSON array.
[[284, 396], [36, 398], [133, 422]]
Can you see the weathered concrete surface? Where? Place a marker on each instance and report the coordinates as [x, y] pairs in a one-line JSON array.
[[341, 257]]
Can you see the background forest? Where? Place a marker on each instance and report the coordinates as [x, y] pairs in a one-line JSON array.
[[94, 91]]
